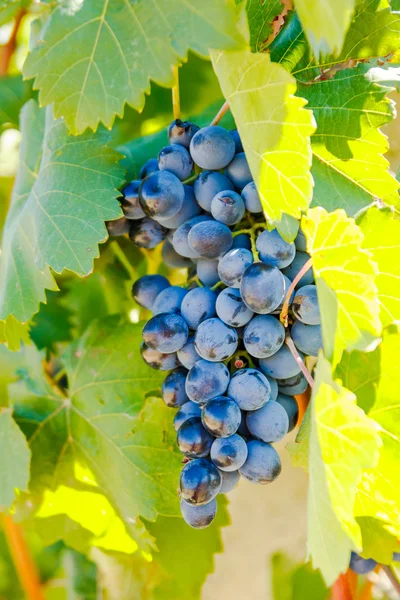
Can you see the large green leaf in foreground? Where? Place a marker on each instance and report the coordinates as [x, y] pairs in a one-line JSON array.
[[14, 468]]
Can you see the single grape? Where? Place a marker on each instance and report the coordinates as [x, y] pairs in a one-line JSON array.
[[206, 380], [262, 287], [231, 309], [169, 300], [263, 336], [263, 464], [189, 210], [130, 204], [301, 242], [180, 238], [274, 386], [166, 332], [172, 259], [199, 517], [238, 171], [298, 263], [200, 481], [146, 289], [177, 160], [221, 416], [229, 481], [273, 249], [270, 423], [150, 167], [307, 338], [236, 138], [157, 360], [198, 305], [292, 386], [291, 407], [207, 271], [210, 239], [193, 439], [241, 241], [280, 365], [396, 556], [119, 226], [215, 341], [288, 283], [251, 198], [181, 132], [146, 233], [229, 453], [188, 354], [305, 305], [228, 207], [173, 388], [207, 185], [249, 388], [187, 411], [161, 195], [212, 148], [360, 565], [232, 266]]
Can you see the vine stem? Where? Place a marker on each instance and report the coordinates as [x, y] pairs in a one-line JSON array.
[[222, 111], [9, 48], [176, 101], [285, 308], [23, 561], [345, 587], [392, 578], [289, 342], [303, 400]]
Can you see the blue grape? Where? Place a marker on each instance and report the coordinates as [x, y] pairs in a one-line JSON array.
[[231, 309], [270, 423], [274, 386], [262, 287], [241, 241], [130, 204], [229, 453], [206, 380], [238, 171], [200, 481], [157, 360], [146, 233], [161, 195], [146, 289], [180, 238], [232, 266], [292, 386], [298, 263], [273, 249], [305, 305], [396, 556], [172, 259], [207, 271], [229, 481], [238, 142], [188, 354], [118, 226], [263, 464], [251, 198], [198, 305], [280, 365], [210, 239], [150, 167], [181, 132], [173, 388], [169, 300], [166, 332], [199, 517], [193, 439], [307, 338], [221, 416], [177, 160], [228, 207], [360, 565], [215, 341], [291, 407], [249, 388], [301, 242], [207, 185], [189, 209], [263, 336], [212, 148], [187, 411]]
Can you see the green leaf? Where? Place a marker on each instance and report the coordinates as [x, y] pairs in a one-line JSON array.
[[300, 448], [260, 16], [345, 280], [274, 127], [64, 191], [52, 324], [14, 92], [343, 443], [14, 469], [291, 581], [381, 229], [360, 372], [377, 541], [118, 48], [9, 10]]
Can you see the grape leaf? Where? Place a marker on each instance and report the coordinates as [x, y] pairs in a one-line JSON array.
[[14, 92], [14, 470], [260, 16], [343, 443], [345, 280], [92, 63], [325, 23], [293, 581], [377, 541], [64, 191], [274, 128], [360, 372], [52, 324], [381, 229]]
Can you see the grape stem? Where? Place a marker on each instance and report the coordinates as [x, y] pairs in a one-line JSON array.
[[217, 285], [222, 111], [289, 342], [8, 49], [285, 308], [176, 101], [190, 179], [392, 578], [194, 279]]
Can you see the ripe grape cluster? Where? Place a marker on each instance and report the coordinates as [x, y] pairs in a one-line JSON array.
[[232, 377]]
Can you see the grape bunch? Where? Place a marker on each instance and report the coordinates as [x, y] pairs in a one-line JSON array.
[[232, 377]]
